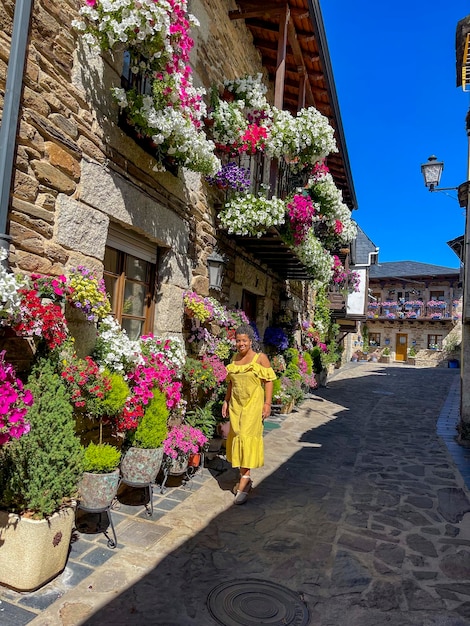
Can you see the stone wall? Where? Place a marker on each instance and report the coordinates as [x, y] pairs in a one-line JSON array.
[[77, 171]]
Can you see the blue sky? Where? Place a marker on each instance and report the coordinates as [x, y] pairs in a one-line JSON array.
[[394, 70]]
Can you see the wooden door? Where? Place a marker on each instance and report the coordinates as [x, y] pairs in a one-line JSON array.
[[401, 349]]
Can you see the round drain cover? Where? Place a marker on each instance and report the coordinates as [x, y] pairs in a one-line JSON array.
[[256, 602]]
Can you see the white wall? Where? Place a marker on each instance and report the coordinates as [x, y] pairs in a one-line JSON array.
[[357, 300]]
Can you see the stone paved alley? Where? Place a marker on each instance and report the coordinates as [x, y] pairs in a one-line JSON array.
[[361, 510]]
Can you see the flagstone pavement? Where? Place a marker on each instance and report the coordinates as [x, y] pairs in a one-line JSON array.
[[362, 510]]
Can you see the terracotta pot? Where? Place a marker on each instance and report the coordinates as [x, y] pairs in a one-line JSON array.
[[194, 460]]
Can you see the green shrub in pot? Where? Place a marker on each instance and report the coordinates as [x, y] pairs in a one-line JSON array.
[[101, 458], [40, 471]]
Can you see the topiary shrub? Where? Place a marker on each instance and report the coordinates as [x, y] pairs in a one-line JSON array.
[[40, 471], [308, 359], [292, 370], [115, 398], [152, 429], [101, 458], [317, 360]]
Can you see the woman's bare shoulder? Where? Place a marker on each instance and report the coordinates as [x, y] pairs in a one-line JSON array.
[[263, 360]]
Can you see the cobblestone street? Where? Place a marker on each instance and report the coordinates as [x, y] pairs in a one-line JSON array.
[[361, 510]]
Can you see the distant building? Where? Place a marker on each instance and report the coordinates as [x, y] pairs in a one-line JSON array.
[[415, 310]]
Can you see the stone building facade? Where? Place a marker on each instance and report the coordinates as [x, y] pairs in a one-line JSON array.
[[415, 311], [85, 193]]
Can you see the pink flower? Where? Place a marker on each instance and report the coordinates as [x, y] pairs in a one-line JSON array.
[[14, 402]]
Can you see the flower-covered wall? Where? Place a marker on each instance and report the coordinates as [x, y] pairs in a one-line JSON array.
[[119, 122]]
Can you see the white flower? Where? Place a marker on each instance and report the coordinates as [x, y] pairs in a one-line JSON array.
[[247, 214], [9, 284], [114, 349]]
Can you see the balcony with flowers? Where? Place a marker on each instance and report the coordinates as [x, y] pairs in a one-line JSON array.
[[445, 310], [278, 198]]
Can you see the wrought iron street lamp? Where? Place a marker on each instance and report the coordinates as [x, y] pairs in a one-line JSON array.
[[431, 171], [215, 265]]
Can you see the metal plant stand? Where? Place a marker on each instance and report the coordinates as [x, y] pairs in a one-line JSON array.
[[187, 472], [149, 486], [111, 541]]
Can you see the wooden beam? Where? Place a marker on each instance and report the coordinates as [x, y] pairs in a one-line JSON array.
[[302, 88], [245, 15], [299, 60], [281, 57]]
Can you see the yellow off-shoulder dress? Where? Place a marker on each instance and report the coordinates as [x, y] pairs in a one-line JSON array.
[[245, 446]]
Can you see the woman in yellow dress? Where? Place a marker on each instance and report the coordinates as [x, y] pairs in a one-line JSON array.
[[247, 403]]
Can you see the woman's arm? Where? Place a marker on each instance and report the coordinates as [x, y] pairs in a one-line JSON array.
[[228, 395], [268, 395], [268, 387]]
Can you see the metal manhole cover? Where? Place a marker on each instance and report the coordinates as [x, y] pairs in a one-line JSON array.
[[256, 602]]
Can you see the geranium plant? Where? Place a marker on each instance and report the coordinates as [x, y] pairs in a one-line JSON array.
[[14, 403], [44, 321], [86, 384], [52, 287]]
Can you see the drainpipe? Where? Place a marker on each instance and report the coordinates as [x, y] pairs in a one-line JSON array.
[[11, 107]]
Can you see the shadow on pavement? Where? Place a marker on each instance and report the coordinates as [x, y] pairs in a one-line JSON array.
[[354, 522]]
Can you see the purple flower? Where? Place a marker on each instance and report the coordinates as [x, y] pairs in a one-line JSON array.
[[231, 176], [276, 337]]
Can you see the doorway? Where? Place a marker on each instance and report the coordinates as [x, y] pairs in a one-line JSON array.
[[401, 349]]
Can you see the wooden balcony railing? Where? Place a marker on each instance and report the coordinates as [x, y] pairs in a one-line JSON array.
[[431, 310]]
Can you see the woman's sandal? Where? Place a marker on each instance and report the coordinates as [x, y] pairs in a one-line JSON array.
[[241, 496]]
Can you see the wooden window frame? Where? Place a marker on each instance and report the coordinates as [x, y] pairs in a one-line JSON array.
[[128, 244], [437, 342]]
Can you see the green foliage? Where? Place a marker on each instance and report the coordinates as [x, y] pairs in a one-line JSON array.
[[293, 388], [292, 372], [114, 399], [101, 458], [386, 351], [308, 359], [41, 470], [333, 354], [412, 351], [152, 428], [317, 359], [202, 417], [322, 314], [291, 355], [276, 387], [292, 359]]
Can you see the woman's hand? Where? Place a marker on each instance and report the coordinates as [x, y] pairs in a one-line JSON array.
[[224, 409], [266, 410]]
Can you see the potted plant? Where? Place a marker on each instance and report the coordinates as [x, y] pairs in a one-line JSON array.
[[412, 352], [179, 444], [451, 347], [38, 480], [143, 457], [202, 418], [96, 396], [385, 356]]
